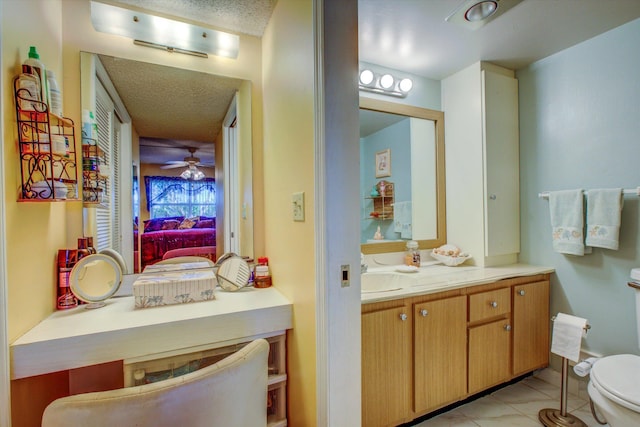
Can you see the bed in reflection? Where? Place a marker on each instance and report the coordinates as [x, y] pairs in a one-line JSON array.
[[176, 236]]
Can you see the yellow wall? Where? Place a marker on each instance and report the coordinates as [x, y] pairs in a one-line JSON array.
[[34, 230], [288, 81]]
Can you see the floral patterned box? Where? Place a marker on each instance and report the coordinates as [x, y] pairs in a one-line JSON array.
[[174, 287]]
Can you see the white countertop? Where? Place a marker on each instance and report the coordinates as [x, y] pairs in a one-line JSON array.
[[82, 337], [440, 278]]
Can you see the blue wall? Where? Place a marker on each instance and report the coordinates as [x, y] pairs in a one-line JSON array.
[[397, 138], [580, 128]]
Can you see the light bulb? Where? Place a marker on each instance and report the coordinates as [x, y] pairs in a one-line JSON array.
[[405, 85], [366, 77], [386, 81], [186, 174]]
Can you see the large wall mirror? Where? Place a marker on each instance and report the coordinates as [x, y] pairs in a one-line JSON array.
[[402, 149], [159, 127]]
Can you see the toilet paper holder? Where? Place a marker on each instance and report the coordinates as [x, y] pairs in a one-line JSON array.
[[586, 327], [554, 417]]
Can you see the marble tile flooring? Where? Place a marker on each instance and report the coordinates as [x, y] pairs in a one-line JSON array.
[[517, 405]]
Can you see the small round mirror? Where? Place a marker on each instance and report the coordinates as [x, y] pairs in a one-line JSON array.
[[233, 272], [95, 278]]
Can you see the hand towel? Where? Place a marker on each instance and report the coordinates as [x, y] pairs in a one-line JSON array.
[[402, 219], [567, 221], [604, 208]]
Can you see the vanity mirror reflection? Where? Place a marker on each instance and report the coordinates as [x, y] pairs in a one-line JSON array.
[[402, 145], [150, 117]]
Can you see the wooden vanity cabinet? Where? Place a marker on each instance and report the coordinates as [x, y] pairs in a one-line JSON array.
[[434, 350], [489, 338], [386, 363], [531, 324], [439, 353]]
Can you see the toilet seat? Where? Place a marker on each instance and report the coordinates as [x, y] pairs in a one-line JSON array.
[[617, 378]]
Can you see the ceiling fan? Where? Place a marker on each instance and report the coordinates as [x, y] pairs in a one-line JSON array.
[[191, 163]]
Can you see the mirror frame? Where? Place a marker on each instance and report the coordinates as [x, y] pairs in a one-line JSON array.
[[438, 118]]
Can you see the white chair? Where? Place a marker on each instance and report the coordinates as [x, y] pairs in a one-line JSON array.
[[230, 393]]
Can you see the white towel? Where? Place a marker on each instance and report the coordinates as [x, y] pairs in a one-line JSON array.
[[402, 219], [604, 207], [567, 221]]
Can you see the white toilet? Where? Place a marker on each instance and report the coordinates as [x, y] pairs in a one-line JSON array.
[[614, 386]]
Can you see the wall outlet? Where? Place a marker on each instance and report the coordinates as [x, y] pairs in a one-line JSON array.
[[298, 206]]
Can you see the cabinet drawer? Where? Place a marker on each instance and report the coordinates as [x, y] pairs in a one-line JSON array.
[[486, 305]]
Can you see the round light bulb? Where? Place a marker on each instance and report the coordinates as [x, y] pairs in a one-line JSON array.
[[405, 85], [366, 77], [386, 81]]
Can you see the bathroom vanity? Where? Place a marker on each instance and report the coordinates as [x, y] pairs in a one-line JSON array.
[[446, 333], [80, 350]]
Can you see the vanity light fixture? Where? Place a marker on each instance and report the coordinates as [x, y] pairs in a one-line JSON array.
[[162, 33], [385, 84]]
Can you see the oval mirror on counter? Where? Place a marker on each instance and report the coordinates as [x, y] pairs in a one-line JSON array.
[[232, 272], [95, 278]]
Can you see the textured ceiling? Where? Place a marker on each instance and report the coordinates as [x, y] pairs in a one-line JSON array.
[[238, 16]]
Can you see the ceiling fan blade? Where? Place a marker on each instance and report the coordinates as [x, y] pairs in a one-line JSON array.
[[200, 165], [173, 166]]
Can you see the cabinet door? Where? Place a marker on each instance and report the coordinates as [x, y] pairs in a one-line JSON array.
[[530, 326], [386, 364], [489, 355], [502, 204], [440, 352]]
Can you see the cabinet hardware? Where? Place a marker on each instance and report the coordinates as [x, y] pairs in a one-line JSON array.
[[424, 312], [403, 317], [521, 292], [493, 304], [507, 328]]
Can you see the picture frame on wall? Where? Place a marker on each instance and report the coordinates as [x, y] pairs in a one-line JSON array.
[[383, 163]]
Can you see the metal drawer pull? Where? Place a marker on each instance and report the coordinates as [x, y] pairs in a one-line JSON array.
[[521, 292], [493, 304], [424, 312], [507, 328], [403, 317]]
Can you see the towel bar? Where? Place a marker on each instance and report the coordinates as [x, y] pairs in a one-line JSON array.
[[626, 191]]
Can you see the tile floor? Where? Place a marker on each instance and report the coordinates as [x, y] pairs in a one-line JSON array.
[[517, 405]]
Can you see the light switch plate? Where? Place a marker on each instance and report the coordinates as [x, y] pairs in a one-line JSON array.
[[298, 206]]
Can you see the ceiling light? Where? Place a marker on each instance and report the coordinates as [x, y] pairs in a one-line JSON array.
[[192, 173], [481, 11], [155, 31], [386, 81], [473, 14], [366, 77]]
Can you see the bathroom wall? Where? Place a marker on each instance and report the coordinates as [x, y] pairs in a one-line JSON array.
[[580, 128], [396, 137], [288, 81], [34, 231]]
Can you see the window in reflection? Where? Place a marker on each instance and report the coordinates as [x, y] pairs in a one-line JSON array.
[[169, 197]]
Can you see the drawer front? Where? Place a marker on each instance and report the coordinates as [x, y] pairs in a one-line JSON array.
[[486, 305]]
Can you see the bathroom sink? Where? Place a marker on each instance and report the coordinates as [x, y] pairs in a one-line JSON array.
[[381, 282]]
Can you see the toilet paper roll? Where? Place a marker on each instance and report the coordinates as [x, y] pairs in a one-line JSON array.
[[567, 336]]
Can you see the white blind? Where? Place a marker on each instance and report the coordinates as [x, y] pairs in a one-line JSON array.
[[105, 219]]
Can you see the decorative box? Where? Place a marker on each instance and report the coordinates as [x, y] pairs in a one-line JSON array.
[[173, 287]]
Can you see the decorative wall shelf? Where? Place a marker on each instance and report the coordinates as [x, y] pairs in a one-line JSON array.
[[47, 149], [382, 208]]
